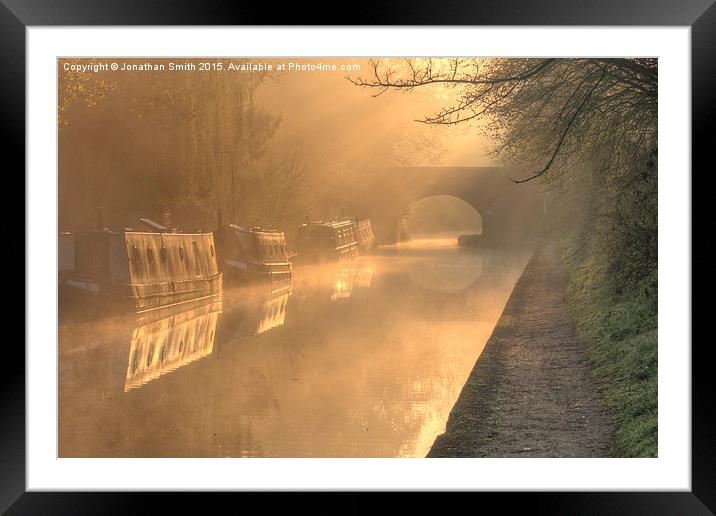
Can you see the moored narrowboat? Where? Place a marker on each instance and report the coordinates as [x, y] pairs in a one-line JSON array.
[[249, 254], [327, 240], [139, 271], [364, 234]]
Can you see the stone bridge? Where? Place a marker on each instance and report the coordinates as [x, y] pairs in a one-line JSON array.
[[510, 211]]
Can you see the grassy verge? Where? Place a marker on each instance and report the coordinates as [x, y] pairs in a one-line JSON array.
[[619, 325]]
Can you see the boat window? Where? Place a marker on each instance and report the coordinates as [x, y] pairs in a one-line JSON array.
[[149, 358], [181, 346], [212, 250], [163, 355], [181, 253], [163, 253], [150, 255], [135, 253]]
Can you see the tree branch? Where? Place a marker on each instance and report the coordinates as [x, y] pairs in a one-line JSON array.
[[564, 133]]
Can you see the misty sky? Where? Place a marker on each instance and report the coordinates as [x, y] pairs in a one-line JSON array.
[[325, 111]]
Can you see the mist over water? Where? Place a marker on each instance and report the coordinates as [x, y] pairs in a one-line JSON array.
[[364, 358]]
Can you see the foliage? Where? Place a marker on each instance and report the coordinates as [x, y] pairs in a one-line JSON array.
[[80, 89], [190, 142], [609, 230], [619, 326]]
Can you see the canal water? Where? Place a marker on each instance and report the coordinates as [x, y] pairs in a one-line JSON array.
[[360, 359]]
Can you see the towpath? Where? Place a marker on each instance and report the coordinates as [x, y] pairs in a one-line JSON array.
[[530, 393]]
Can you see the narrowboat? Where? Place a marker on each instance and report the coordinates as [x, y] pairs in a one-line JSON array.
[[161, 346], [139, 271], [364, 233], [327, 240], [249, 254]]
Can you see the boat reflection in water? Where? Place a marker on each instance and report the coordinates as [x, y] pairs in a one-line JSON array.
[[161, 346], [351, 275], [257, 309], [335, 282], [272, 313]]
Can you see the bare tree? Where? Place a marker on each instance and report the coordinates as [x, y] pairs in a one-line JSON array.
[[542, 113]]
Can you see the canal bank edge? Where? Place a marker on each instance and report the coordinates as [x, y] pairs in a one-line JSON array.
[[531, 391]]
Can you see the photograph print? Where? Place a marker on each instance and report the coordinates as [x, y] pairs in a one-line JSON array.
[[357, 257]]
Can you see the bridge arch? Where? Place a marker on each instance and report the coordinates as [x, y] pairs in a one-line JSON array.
[[509, 211], [439, 214]]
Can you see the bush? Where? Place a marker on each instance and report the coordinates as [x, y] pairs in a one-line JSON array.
[[618, 323]]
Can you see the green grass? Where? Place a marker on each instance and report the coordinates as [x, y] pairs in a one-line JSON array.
[[618, 323]]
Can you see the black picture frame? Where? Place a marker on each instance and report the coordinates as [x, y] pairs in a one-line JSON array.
[[17, 15]]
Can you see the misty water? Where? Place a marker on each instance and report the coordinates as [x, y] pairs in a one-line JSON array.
[[361, 359]]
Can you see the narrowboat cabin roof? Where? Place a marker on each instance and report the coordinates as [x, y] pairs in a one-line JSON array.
[[173, 231], [255, 229], [329, 223]]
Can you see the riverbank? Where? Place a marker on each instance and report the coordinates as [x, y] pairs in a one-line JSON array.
[[531, 392], [618, 323]]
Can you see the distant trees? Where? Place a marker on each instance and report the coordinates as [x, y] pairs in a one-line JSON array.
[[139, 142]]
